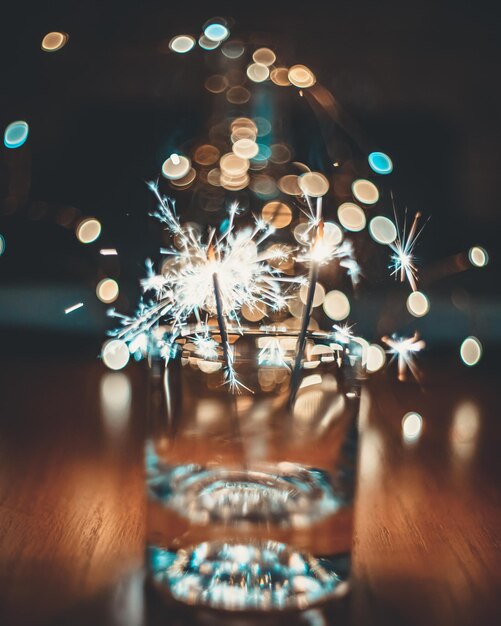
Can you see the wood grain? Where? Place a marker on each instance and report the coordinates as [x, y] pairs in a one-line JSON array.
[[427, 538]]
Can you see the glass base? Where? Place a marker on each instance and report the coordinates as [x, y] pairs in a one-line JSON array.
[[262, 575]]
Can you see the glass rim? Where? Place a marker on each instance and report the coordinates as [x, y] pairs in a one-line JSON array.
[[343, 341]]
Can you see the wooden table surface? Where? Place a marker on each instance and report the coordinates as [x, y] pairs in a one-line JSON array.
[[427, 544]]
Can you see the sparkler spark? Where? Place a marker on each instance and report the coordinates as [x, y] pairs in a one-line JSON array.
[[404, 350], [74, 307], [403, 260], [217, 276]]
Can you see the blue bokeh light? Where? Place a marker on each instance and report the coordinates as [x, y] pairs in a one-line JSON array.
[[380, 163], [216, 32], [16, 134]]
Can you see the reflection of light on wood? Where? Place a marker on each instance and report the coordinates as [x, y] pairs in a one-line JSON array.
[[412, 427], [116, 395], [464, 430]]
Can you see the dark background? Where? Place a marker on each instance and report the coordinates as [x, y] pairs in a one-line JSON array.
[[420, 79]]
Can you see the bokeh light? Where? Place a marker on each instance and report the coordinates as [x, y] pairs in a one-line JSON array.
[[376, 357], [278, 214], [245, 148], [412, 427], [365, 191], [207, 44], [380, 163], [471, 351], [382, 229], [115, 354], [233, 49], [88, 230], [258, 73], [116, 396], [206, 154], [313, 184], [238, 95], [176, 166], [233, 165], [478, 256], [289, 185], [301, 76], [464, 431], [280, 76], [418, 304], [318, 296], [16, 134], [2, 245], [351, 216], [216, 31], [216, 83], [182, 44], [107, 290], [54, 41], [336, 305], [264, 56]]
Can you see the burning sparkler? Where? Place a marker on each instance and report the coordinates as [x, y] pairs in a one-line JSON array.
[[404, 350], [403, 258]]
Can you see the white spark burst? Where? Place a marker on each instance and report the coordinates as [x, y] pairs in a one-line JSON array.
[[404, 350], [403, 260]]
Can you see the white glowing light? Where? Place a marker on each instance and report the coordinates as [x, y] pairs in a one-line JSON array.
[[478, 256], [115, 354], [107, 290], [182, 44], [185, 288], [108, 252], [376, 357], [365, 191], [403, 264], [74, 307], [176, 167], [318, 296], [351, 216], [418, 304], [258, 73], [88, 230], [465, 429], [471, 351], [54, 41], [382, 230], [116, 397], [336, 305], [404, 350], [412, 426]]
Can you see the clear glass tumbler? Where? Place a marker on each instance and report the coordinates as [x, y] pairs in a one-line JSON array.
[[250, 491]]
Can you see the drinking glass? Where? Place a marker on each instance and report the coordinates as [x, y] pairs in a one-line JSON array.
[[250, 486]]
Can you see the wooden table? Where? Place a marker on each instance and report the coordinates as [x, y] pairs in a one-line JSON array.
[[427, 546]]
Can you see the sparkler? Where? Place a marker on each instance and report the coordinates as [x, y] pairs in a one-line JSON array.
[[318, 254], [404, 350], [403, 258]]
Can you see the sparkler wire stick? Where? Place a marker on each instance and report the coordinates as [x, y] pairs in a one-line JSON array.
[[220, 319], [305, 319]]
